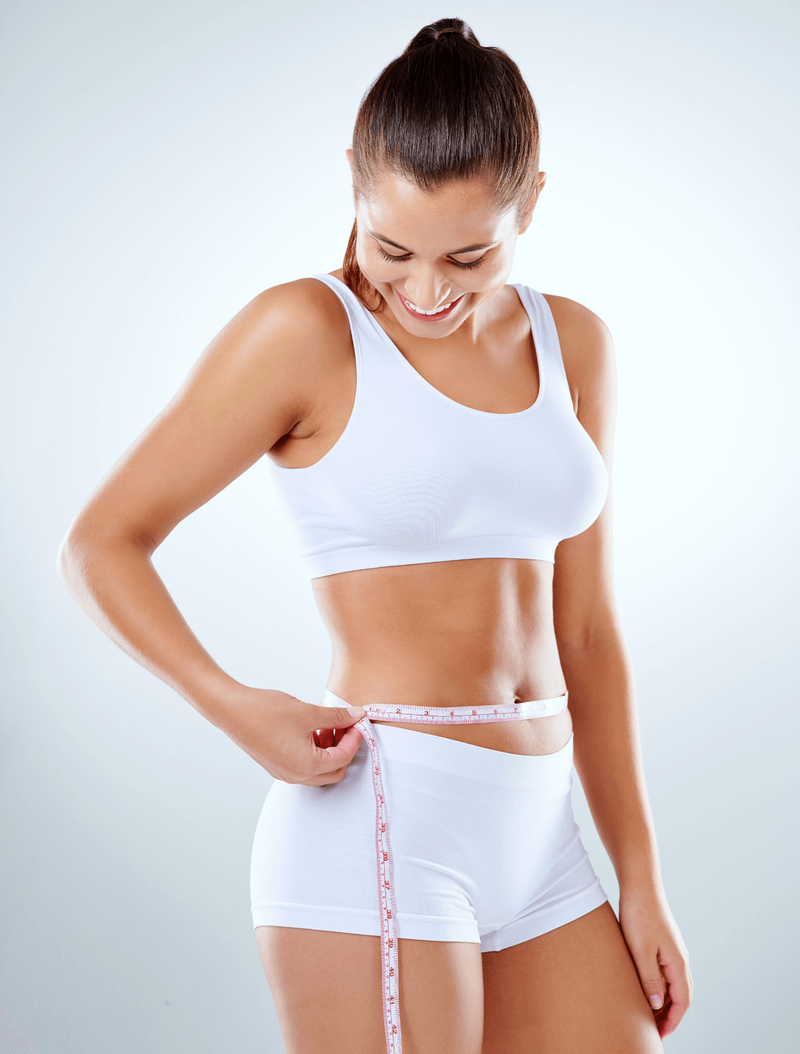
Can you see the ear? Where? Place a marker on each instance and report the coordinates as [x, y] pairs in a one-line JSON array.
[[527, 216]]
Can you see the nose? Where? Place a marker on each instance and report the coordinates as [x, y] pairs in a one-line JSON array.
[[426, 289]]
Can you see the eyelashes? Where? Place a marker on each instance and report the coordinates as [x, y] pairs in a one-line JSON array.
[[463, 266]]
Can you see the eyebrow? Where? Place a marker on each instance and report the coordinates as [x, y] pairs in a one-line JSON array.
[[455, 252]]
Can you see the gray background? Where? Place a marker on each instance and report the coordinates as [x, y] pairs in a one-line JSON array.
[[166, 161]]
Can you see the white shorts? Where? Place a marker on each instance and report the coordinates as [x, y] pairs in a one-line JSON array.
[[484, 844]]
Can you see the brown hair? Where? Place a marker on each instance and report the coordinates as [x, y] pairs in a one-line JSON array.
[[447, 108]]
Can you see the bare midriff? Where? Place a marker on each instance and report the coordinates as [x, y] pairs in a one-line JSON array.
[[451, 633]]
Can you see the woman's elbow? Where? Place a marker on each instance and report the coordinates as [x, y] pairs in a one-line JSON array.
[[84, 542], [73, 555]]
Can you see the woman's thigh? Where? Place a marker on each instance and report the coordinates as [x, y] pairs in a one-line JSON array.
[[327, 989], [574, 990]]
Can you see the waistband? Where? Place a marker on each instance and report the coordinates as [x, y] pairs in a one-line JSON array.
[[468, 760]]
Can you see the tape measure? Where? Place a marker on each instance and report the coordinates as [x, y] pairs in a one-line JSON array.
[[433, 715]]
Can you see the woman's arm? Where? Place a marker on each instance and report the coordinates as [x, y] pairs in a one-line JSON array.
[[249, 388], [602, 694]]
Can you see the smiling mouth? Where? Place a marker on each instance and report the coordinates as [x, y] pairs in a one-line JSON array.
[[430, 316]]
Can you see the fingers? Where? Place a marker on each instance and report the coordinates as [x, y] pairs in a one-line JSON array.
[[331, 761], [326, 778], [334, 741], [679, 981], [653, 983], [667, 983], [328, 737], [334, 716], [343, 750]]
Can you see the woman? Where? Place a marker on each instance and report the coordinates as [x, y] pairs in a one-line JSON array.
[[437, 435]]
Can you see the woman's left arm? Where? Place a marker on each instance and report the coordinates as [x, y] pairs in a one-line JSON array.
[[602, 693]]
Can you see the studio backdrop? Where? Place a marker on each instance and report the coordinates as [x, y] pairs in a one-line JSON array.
[[164, 163]]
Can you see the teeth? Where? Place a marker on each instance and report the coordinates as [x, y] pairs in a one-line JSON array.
[[419, 310]]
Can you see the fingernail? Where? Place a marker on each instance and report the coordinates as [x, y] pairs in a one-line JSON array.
[[655, 1002], [355, 711]]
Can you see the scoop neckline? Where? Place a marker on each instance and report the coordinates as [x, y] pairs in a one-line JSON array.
[[454, 402]]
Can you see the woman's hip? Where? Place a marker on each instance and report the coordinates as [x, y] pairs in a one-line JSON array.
[[473, 831]]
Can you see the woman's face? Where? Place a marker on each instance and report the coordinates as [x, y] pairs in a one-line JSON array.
[[435, 256]]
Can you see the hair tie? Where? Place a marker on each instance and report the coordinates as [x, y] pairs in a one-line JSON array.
[[450, 29]]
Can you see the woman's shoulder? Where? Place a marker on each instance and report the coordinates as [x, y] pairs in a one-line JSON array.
[[587, 347], [305, 307], [575, 318], [286, 345], [303, 328]]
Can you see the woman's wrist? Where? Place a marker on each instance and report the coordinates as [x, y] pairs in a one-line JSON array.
[[642, 887], [216, 695], [639, 874]]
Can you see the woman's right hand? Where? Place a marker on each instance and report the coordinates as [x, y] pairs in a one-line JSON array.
[[280, 733]]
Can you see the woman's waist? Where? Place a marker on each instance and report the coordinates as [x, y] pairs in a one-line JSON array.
[[500, 719], [438, 673]]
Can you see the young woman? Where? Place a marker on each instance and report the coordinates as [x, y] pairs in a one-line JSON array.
[[444, 441]]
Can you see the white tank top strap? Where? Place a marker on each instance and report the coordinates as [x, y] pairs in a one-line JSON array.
[[548, 345]]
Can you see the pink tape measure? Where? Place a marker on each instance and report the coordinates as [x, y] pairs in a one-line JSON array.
[[434, 715]]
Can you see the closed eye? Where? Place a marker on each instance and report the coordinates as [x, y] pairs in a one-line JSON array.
[[463, 266], [389, 256]]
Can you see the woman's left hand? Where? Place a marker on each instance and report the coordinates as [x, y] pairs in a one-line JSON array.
[[660, 956]]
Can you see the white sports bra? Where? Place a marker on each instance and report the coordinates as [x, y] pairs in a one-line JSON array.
[[417, 477]]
